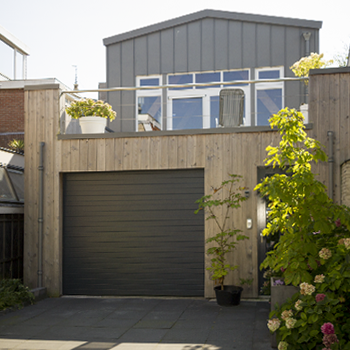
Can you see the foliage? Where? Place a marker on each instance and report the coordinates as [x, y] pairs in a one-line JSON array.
[[223, 239], [14, 294], [88, 107], [313, 250], [17, 145], [299, 205], [324, 301], [302, 67], [342, 58]]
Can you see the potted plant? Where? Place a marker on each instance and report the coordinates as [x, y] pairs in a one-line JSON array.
[[92, 114], [226, 237]]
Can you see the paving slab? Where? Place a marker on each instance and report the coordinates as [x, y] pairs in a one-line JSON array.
[[89, 323]]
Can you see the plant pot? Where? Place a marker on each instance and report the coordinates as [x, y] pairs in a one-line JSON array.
[[230, 296], [304, 109], [92, 125]]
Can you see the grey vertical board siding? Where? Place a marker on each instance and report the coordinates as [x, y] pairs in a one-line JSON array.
[[133, 233], [154, 53], [114, 79], [208, 47], [141, 56], [204, 44], [221, 44], [194, 46], [127, 79], [235, 45], [249, 45], [263, 45], [278, 45], [167, 51], [180, 48]]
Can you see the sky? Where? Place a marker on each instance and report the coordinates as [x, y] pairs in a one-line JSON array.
[[67, 33]]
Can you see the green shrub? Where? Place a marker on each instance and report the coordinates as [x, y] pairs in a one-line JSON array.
[[14, 294]]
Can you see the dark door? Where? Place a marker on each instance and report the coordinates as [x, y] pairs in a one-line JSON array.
[[264, 243], [133, 233]]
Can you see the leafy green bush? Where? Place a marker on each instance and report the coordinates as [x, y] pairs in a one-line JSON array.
[[14, 294], [313, 250]]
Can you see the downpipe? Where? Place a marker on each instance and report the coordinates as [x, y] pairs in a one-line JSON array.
[[330, 135], [40, 214]]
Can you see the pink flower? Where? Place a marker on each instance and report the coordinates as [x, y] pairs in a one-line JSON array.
[[338, 223], [329, 339], [327, 328], [320, 297]]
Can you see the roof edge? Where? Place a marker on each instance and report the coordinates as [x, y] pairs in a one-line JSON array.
[[212, 14]]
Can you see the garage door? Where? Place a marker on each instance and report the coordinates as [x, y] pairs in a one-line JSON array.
[[133, 233]]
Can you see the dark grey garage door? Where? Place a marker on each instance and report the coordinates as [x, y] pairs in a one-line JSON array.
[[133, 233]]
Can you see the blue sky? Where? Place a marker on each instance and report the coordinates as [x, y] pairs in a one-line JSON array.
[[64, 33]]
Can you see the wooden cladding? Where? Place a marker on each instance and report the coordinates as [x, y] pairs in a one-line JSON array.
[[218, 154]]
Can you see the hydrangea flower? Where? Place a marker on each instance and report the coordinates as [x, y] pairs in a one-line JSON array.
[[286, 314], [278, 283], [306, 288], [282, 345], [297, 305], [329, 339], [347, 243], [319, 279], [325, 253], [290, 322], [273, 324], [320, 297], [327, 328]]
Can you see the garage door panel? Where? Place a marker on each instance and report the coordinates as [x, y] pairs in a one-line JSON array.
[[137, 239]]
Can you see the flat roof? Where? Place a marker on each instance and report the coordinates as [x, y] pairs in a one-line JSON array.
[[236, 16]]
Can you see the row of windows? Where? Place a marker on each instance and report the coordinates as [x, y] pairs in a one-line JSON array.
[[196, 107]]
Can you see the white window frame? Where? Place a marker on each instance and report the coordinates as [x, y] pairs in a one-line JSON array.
[[148, 93], [267, 86], [206, 94]]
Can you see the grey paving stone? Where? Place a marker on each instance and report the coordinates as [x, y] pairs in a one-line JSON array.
[[194, 336], [143, 335]]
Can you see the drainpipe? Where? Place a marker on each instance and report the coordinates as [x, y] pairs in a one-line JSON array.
[[330, 135], [306, 36], [40, 214]]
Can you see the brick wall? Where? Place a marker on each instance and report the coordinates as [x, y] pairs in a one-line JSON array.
[[11, 115]]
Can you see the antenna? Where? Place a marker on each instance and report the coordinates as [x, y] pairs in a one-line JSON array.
[[76, 77]]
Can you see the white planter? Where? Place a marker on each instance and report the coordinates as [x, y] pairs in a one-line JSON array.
[[304, 109], [92, 125]]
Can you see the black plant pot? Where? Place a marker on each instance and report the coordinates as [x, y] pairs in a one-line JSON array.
[[230, 296]]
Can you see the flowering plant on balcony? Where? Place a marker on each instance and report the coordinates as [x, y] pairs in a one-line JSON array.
[[88, 107], [302, 67]]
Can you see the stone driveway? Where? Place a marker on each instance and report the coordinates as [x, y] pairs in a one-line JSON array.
[[136, 323]]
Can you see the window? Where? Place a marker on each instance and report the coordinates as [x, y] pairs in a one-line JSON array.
[[269, 95], [149, 102], [198, 106], [187, 113]]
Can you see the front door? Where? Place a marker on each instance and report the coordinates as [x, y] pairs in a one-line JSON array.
[[264, 243]]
